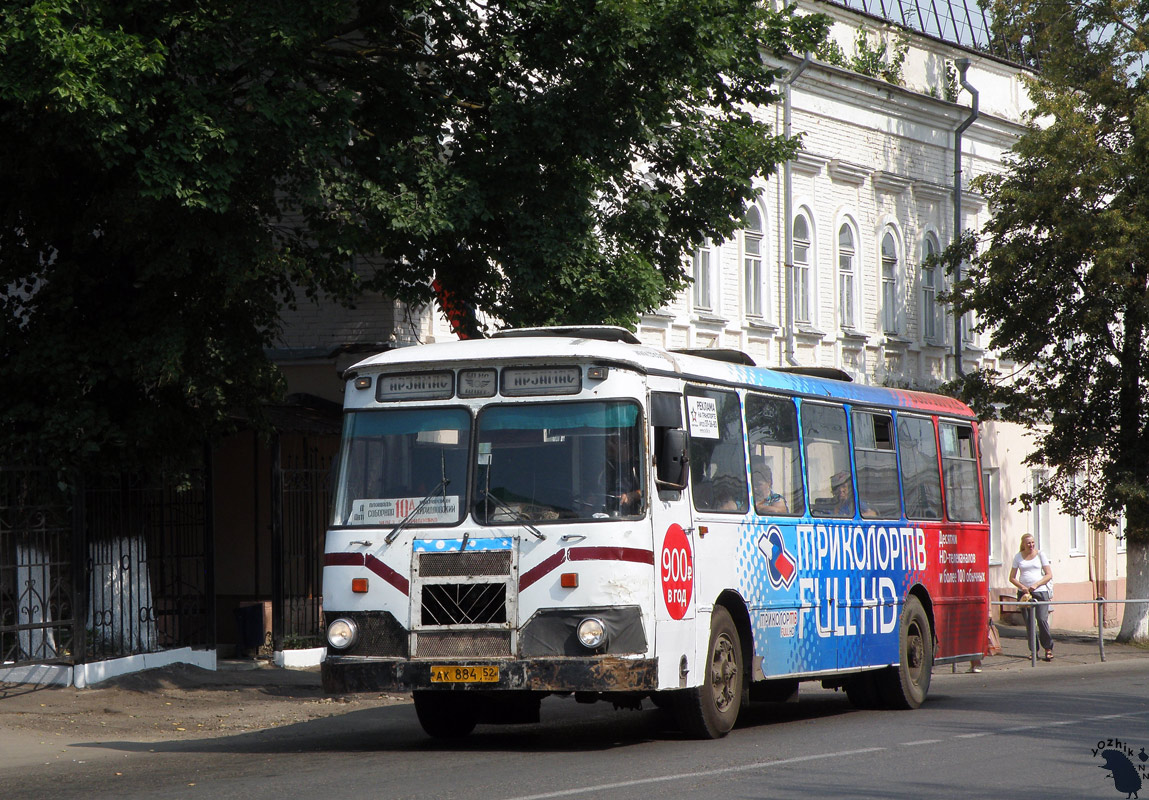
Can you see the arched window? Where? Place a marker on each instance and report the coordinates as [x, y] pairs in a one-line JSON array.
[[752, 262], [802, 279], [933, 327], [889, 283], [703, 278], [847, 263]]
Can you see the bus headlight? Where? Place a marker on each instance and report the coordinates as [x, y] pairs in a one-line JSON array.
[[591, 633], [342, 633]]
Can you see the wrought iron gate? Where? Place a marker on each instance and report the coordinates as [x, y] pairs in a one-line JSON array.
[[110, 566], [302, 489]]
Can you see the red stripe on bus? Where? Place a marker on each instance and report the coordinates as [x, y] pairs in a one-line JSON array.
[[611, 554], [343, 560], [541, 569], [386, 573]]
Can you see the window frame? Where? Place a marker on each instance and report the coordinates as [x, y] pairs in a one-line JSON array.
[[803, 270], [847, 303], [754, 286], [861, 500], [797, 492], [736, 478], [888, 293], [702, 290]]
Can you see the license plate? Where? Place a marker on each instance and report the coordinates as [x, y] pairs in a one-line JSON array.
[[465, 674]]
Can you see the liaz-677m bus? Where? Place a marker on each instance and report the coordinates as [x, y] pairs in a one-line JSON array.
[[569, 511]]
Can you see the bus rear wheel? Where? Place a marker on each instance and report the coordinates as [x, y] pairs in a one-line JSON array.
[[446, 715], [710, 710], [907, 684]]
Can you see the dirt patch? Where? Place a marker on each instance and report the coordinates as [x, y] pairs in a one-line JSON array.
[[175, 701]]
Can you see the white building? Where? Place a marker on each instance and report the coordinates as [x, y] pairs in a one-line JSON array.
[[871, 194]]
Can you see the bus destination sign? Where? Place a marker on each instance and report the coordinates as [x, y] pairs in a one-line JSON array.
[[416, 386], [523, 381]]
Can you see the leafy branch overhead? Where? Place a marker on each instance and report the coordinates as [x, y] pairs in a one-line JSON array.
[[175, 173]]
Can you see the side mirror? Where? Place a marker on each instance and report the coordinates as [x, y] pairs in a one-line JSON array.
[[673, 460]]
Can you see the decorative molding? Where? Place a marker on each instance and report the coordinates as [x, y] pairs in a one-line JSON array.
[[808, 163], [934, 192], [889, 182], [972, 199], [807, 332], [845, 172], [761, 326]]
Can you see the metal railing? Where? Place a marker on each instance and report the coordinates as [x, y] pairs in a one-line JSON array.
[[1029, 608]]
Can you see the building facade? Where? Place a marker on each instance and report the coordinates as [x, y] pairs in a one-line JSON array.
[[830, 268]]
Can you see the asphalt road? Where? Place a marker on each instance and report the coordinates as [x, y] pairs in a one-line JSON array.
[[1027, 733]]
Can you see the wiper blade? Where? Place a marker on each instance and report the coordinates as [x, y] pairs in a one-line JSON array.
[[515, 515], [415, 511]]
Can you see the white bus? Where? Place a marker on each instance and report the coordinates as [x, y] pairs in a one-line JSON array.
[[570, 511]]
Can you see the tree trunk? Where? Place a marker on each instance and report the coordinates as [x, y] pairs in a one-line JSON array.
[[1135, 621]]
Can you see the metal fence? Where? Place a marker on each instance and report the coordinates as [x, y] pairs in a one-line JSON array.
[[1029, 608], [112, 565], [38, 598]]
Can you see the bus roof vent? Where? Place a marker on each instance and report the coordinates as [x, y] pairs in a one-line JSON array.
[[718, 354], [830, 373], [605, 333]]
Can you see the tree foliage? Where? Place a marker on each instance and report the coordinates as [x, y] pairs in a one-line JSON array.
[[1062, 283], [174, 171]]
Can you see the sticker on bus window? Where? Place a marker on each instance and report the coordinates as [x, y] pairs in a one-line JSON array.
[[392, 511], [703, 417]]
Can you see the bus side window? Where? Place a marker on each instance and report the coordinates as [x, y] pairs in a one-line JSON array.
[[876, 464], [775, 459], [959, 468], [717, 455], [827, 449], [918, 453]]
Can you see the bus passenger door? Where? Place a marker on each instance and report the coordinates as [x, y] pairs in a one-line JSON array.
[[674, 542]]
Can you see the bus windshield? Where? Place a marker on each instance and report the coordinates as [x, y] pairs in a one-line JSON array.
[[559, 461], [392, 460]]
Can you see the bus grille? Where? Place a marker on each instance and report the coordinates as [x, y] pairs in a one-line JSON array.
[[447, 565], [464, 603], [464, 644]]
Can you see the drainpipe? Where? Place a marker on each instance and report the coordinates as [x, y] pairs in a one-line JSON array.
[[963, 65], [788, 212]]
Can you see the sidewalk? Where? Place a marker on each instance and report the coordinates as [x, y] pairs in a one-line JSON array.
[[1069, 647]]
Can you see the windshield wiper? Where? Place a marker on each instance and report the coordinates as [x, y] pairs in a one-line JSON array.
[[516, 516], [414, 512]]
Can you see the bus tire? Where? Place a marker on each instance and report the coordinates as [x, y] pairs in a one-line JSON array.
[[710, 710], [445, 715], [906, 685]]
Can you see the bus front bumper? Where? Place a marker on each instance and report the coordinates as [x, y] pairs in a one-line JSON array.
[[342, 675]]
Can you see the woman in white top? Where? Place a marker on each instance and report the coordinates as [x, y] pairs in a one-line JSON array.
[[1032, 575]]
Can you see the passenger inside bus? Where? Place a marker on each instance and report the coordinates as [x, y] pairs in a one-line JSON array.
[[843, 490], [766, 500]]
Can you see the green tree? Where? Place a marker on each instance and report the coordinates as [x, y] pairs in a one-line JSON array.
[[1062, 283], [173, 172]]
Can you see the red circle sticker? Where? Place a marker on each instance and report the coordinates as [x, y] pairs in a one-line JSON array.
[[677, 571]]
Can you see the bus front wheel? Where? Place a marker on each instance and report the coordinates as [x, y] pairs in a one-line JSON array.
[[709, 711], [907, 684], [446, 715]]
